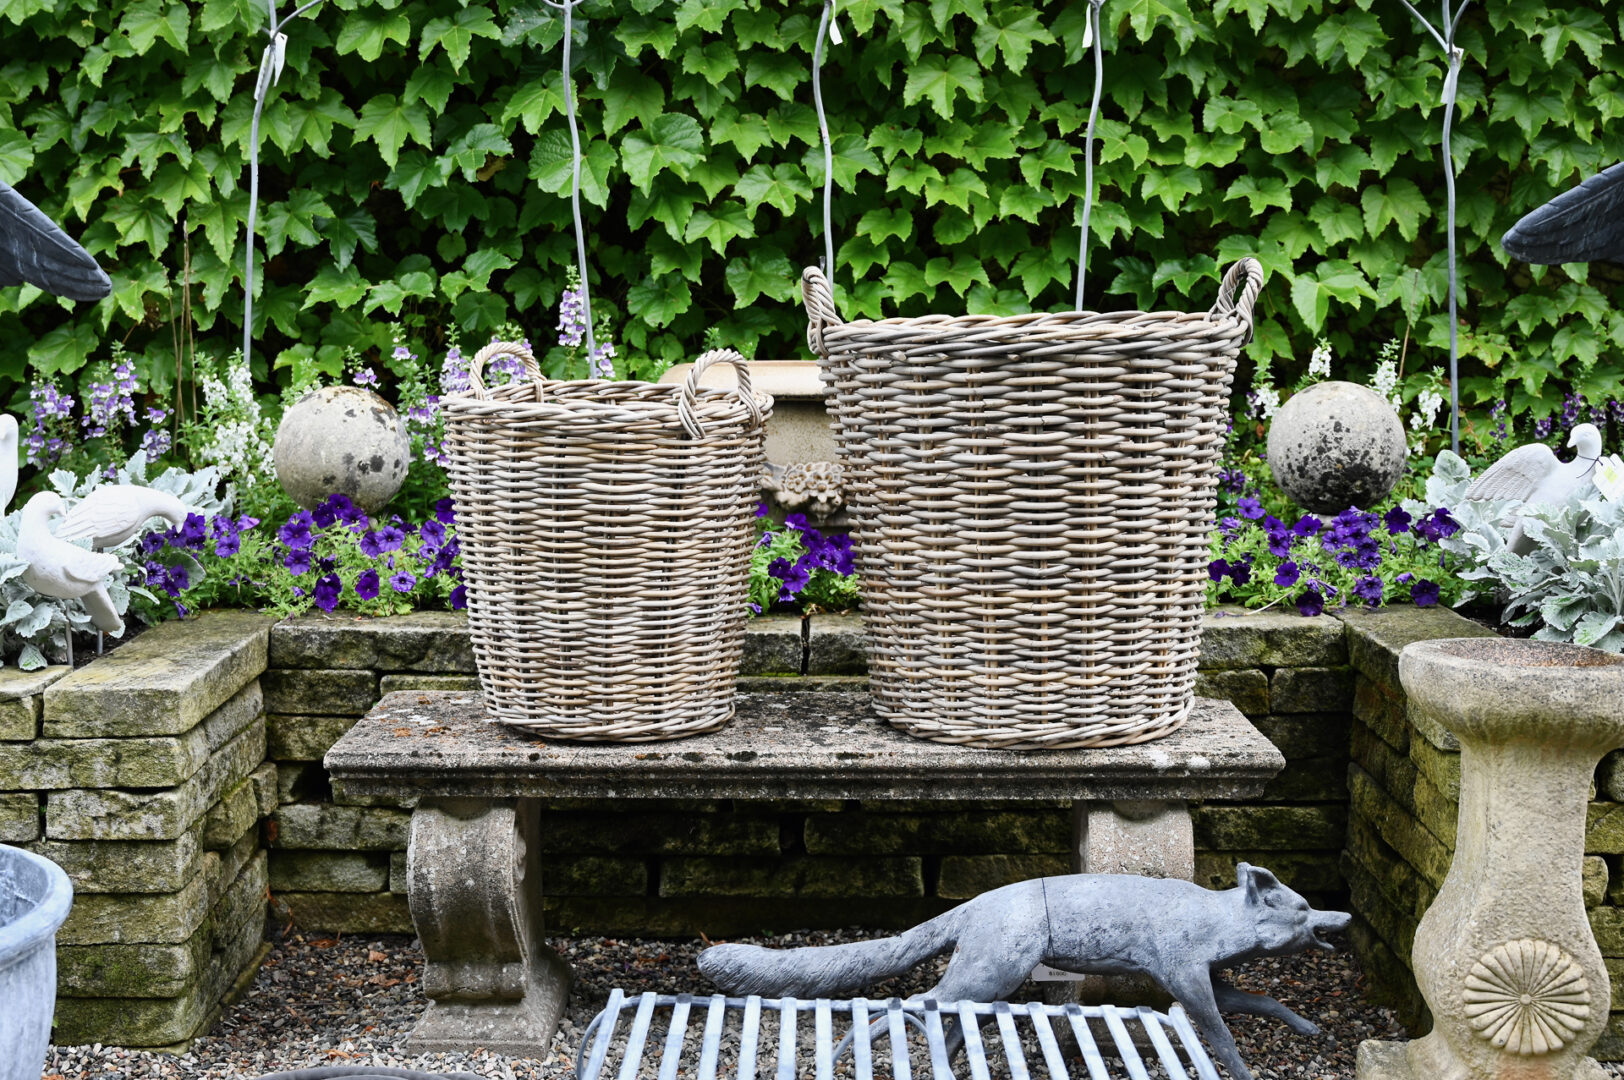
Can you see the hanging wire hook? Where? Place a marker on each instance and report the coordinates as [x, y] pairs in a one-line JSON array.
[[568, 8], [826, 26], [1090, 36]]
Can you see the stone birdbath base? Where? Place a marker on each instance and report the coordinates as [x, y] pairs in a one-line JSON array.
[[1505, 956]]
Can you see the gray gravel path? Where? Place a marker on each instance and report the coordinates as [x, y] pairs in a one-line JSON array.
[[351, 1001]]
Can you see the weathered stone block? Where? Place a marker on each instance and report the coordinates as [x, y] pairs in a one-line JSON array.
[[773, 645], [398, 882], [132, 971], [1305, 871], [1307, 735], [1393, 925], [234, 860], [807, 876], [302, 782], [264, 781], [305, 691], [329, 871], [836, 645], [1442, 767], [1313, 780], [127, 866], [344, 913], [1394, 772], [1439, 813], [1610, 777], [388, 684], [730, 916], [658, 834], [1246, 688], [958, 806], [163, 918], [1608, 925], [326, 827], [1269, 828], [1377, 635], [21, 697], [1400, 829], [141, 762], [1403, 886], [228, 819], [1311, 690], [1382, 711], [1595, 880], [162, 815], [964, 876], [1604, 829], [1430, 728], [1011, 832], [163, 682], [304, 738], [434, 641], [19, 817], [1234, 638], [593, 875]]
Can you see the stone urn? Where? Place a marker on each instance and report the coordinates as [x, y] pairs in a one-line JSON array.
[[1505, 956]]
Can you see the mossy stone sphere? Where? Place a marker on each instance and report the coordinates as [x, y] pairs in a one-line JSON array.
[[342, 439], [1336, 445]]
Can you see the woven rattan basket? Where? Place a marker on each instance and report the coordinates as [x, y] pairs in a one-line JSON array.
[[606, 530], [1031, 499]]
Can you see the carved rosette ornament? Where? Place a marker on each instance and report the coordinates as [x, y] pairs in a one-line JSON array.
[[1527, 997]]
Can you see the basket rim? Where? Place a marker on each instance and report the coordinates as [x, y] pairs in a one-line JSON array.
[[587, 400]]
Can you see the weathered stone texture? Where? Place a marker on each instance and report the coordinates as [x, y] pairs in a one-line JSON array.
[[164, 918], [326, 827], [1377, 635], [228, 819], [658, 834], [21, 701], [1246, 688], [590, 875], [1418, 846], [19, 817], [1010, 832], [1595, 881], [837, 645], [964, 876], [163, 682], [1232, 638], [807, 876], [388, 684], [1311, 872], [304, 738], [329, 871], [1307, 735], [1311, 690], [773, 645], [431, 641], [345, 913], [162, 815], [1315, 780], [132, 971], [336, 692], [264, 781], [1382, 711], [127, 866], [1269, 828]]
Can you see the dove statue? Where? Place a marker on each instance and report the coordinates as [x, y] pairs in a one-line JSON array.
[[8, 460], [67, 571], [1534, 474], [112, 514]]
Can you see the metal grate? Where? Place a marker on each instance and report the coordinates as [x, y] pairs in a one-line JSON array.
[[1020, 1029]]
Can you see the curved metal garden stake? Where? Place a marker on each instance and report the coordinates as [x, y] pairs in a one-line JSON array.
[[1091, 36], [270, 74], [1453, 56], [826, 25], [568, 8]]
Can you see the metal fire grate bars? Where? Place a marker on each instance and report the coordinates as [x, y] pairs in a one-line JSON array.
[[864, 1019]]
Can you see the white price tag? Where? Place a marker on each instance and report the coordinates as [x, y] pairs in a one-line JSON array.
[[1045, 973], [834, 25], [1610, 477]]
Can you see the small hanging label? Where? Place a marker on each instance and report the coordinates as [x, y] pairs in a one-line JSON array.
[[279, 54], [1088, 30], [834, 25], [1452, 76]]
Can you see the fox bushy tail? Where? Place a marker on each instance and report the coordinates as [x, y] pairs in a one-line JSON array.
[[826, 970]]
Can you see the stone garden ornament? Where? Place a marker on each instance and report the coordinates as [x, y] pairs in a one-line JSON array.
[[66, 570], [1336, 445], [1175, 932], [114, 513], [1533, 474]]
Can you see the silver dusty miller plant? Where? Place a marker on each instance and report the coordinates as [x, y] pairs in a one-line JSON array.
[[1571, 583], [29, 622]]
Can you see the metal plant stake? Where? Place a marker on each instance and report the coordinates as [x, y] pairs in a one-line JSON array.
[[568, 8], [1453, 56], [1091, 36], [826, 25], [270, 73]]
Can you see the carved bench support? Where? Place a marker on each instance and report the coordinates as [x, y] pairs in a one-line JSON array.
[[475, 895]]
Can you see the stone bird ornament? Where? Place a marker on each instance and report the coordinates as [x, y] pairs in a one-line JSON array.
[[34, 251], [1534, 474], [67, 571], [112, 514], [1582, 224], [8, 460]]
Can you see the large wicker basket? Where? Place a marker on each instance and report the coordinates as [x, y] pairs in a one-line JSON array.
[[606, 530], [1031, 499]]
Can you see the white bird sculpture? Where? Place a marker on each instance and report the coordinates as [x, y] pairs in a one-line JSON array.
[[67, 571], [8, 460], [1534, 474], [111, 514]]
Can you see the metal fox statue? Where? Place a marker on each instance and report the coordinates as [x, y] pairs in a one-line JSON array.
[[1176, 932]]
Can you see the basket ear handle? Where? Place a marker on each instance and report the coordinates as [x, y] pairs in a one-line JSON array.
[[820, 308], [1239, 305], [476, 366], [687, 403]]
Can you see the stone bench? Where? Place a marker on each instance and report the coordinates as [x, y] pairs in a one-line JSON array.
[[475, 875]]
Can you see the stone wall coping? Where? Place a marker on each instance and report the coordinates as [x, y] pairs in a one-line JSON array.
[[16, 683], [820, 745]]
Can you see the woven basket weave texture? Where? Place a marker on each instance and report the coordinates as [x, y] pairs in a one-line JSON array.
[[1031, 499], [606, 530]]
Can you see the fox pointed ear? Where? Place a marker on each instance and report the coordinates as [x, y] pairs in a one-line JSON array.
[[1255, 880]]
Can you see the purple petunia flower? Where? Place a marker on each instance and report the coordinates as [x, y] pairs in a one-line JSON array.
[[402, 581], [1230, 525], [761, 508], [297, 561], [1310, 603], [1250, 508], [1280, 542], [432, 532], [1424, 593], [1397, 520], [796, 522], [445, 512], [327, 591], [193, 532], [1307, 525], [371, 544], [1369, 589], [1287, 575], [295, 532], [1218, 569], [1240, 573], [459, 598], [366, 585]]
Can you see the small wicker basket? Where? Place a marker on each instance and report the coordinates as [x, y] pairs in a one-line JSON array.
[[606, 530], [1031, 499]]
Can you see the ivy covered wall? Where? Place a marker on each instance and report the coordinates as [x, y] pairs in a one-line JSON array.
[[416, 171]]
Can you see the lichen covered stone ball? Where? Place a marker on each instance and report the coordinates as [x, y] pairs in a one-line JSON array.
[[342, 439], [1336, 445]]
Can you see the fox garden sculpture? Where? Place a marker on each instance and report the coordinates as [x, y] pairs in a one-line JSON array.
[[1176, 932]]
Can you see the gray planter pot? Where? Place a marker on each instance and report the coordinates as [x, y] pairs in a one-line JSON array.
[[34, 899]]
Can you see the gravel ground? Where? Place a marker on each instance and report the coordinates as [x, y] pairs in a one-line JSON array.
[[322, 1001]]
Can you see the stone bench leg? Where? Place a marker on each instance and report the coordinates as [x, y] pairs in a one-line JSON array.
[[475, 894]]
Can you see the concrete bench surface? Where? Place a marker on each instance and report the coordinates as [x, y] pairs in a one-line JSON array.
[[473, 863], [822, 745]]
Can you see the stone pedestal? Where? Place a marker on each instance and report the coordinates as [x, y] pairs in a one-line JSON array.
[[1505, 957], [476, 900]]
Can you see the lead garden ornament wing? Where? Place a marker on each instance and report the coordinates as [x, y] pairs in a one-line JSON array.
[[1582, 224], [35, 251]]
